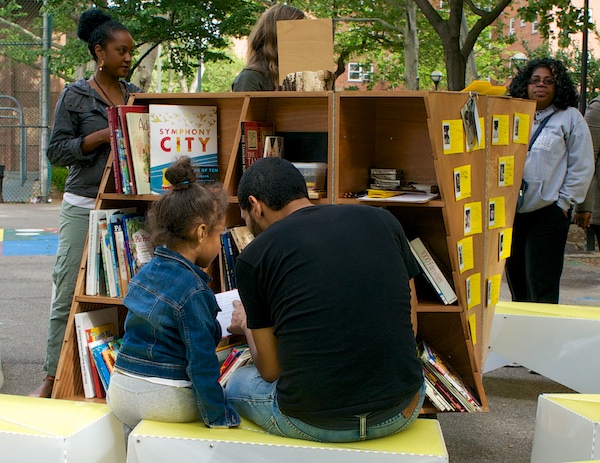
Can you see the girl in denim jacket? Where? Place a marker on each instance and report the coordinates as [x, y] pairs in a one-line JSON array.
[[167, 368]]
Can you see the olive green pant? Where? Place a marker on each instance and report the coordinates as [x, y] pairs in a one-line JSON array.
[[73, 233]]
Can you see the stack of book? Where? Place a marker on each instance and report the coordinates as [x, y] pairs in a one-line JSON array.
[[444, 388], [130, 144], [118, 246], [238, 357], [98, 343]]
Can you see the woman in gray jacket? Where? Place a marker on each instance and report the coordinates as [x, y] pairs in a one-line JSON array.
[[558, 170], [80, 140]]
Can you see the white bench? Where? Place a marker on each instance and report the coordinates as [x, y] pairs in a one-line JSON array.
[[154, 442], [36, 430], [567, 428], [558, 341]]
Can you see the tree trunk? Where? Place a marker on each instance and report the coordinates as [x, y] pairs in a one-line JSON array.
[[411, 46], [143, 74]]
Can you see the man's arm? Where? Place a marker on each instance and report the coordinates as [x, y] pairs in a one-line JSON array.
[[262, 343]]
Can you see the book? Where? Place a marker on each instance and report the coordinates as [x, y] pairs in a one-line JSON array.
[[138, 127], [123, 111], [123, 164], [254, 133], [230, 252], [140, 243], [113, 126], [121, 257], [97, 333], [83, 322], [225, 302], [114, 217], [108, 259], [242, 236], [432, 271], [93, 255], [96, 349], [178, 130]]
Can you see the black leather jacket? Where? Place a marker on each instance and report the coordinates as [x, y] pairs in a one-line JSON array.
[[79, 112]]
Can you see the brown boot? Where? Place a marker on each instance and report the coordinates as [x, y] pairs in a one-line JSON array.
[[44, 390]]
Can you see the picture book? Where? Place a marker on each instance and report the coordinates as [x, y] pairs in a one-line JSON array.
[[123, 111], [178, 130], [83, 322], [94, 334], [254, 133], [138, 237], [96, 349], [138, 128], [113, 126]]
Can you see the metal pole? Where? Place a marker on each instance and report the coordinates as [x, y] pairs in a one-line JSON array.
[[45, 169], [584, 58]]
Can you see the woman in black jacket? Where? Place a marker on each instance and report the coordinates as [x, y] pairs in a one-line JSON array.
[[80, 140]]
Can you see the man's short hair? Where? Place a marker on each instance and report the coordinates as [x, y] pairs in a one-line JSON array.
[[274, 181]]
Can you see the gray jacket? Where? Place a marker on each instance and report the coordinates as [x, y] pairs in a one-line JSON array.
[[560, 165], [79, 112], [592, 200]]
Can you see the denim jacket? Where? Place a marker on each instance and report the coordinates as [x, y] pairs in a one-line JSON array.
[[171, 332], [79, 112]]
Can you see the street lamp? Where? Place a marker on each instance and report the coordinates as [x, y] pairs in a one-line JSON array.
[[436, 77], [518, 60]]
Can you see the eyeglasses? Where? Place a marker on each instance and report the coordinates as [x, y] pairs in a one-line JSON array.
[[537, 81]]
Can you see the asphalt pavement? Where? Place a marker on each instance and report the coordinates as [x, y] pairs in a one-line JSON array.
[[503, 435]]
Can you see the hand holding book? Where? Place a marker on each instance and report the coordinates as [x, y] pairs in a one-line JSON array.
[[238, 319]]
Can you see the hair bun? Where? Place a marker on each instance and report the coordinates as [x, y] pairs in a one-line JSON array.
[[89, 21], [181, 173]]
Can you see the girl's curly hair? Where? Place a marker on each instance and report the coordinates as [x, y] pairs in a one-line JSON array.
[[566, 94]]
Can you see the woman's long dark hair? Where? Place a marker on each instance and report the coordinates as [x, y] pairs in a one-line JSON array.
[[566, 94]]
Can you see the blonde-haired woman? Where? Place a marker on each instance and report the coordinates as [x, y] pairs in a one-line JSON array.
[[262, 71]]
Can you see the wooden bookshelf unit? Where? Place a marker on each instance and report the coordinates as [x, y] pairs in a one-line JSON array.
[[364, 130]]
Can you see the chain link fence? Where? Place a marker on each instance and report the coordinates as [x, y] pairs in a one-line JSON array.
[[24, 107]]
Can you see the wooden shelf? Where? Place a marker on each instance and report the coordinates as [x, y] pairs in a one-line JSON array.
[[401, 130]]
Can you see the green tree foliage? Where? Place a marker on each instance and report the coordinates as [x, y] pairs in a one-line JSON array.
[[187, 30], [219, 75]]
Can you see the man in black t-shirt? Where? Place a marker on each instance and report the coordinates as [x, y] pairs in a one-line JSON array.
[[327, 296]]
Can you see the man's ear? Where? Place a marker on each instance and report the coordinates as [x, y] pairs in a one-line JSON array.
[[256, 207]]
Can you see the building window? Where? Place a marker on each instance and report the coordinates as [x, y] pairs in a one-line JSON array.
[[359, 73], [511, 26], [534, 27], [523, 23]]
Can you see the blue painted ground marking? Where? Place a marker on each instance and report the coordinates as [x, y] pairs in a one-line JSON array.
[[28, 242]]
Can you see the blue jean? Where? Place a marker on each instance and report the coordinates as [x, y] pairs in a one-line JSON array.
[[256, 399]]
